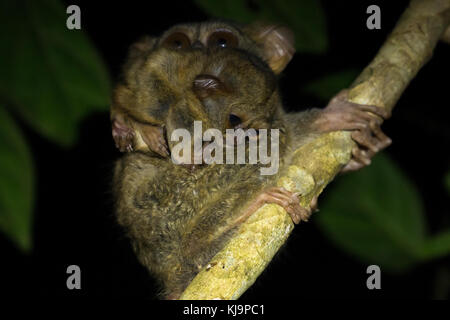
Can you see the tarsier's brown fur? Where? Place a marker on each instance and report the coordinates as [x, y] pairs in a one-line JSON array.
[[178, 217]]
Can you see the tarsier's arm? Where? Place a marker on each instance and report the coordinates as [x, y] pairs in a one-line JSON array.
[[140, 101]]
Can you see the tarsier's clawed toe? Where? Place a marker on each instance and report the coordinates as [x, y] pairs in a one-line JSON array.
[[369, 142], [289, 201], [154, 137], [364, 120], [123, 136], [341, 114]]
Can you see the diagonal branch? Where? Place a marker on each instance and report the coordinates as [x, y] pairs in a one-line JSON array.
[[234, 269]]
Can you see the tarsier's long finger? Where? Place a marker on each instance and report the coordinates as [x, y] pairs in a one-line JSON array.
[[381, 112], [128, 147], [374, 140], [164, 150], [362, 156], [123, 136], [313, 205], [290, 202], [284, 198], [162, 144], [360, 120], [383, 140], [366, 116], [360, 159], [153, 136], [159, 148], [337, 120], [364, 138], [161, 139], [352, 165], [158, 144]]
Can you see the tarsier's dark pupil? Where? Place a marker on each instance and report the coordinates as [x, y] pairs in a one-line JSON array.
[[222, 39], [221, 42], [177, 40]]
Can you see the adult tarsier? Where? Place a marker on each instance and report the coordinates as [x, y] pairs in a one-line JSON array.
[[179, 216]]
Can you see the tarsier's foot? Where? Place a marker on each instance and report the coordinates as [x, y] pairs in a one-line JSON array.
[[122, 135], [364, 120], [371, 141], [153, 136], [286, 199]]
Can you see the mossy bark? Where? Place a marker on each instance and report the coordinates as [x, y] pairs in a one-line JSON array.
[[234, 269]]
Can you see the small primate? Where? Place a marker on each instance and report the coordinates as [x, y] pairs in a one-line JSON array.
[[179, 216]]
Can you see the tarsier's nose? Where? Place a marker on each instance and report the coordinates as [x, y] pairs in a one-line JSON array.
[[197, 45], [206, 85]]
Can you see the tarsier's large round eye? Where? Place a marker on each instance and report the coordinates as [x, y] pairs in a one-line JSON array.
[[177, 40], [222, 39], [234, 120]]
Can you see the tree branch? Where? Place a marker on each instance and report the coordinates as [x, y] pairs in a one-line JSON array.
[[234, 269]]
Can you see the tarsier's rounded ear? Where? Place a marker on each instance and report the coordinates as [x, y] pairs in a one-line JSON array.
[[277, 42], [140, 47]]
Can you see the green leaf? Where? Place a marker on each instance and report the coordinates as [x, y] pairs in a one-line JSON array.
[[306, 18], [376, 215], [50, 75], [437, 246], [326, 87], [16, 183], [447, 181]]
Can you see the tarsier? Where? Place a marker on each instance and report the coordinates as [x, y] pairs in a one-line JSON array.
[[179, 216]]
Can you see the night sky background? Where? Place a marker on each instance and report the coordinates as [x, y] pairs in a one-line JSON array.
[[74, 221]]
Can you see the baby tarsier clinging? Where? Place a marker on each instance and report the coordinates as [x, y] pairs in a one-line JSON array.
[[179, 216]]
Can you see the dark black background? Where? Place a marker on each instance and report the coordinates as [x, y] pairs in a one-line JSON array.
[[74, 221]]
